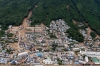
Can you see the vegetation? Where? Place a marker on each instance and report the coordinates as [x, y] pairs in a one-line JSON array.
[[93, 34], [54, 46], [2, 33], [76, 52], [65, 49], [9, 34], [52, 36], [89, 11], [59, 61], [40, 49], [9, 51], [12, 12], [74, 34]]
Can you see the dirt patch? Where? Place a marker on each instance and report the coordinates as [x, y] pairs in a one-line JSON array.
[[25, 24], [74, 22], [88, 31], [67, 6], [15, 46]]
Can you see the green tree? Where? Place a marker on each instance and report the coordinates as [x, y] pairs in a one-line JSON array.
[[52, 36], [93, 34], [74, 34], [54, 46], [59, 61]]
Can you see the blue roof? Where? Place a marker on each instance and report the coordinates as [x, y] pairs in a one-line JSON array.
[[13, 62], [39, 54]]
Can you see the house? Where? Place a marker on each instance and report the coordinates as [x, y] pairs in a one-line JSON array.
[[23, 54], [39, 54], [95, 60], [76, 49], [86, 59], [91, 53], [3, 60], [13, 62], [48, 61], [82, 62], [14, 29]]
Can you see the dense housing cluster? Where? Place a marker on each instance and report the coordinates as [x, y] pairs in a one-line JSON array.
[[41, 45]]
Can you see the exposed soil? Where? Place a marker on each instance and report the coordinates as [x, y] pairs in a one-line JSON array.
[[21, 31], [88, 31], [24, 25], [74, 22]]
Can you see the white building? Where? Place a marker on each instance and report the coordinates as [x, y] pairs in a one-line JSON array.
[[91, 53], [23, 54], [3, 61], [47, 61]]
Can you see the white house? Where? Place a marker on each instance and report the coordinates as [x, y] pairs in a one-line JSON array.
[[23, 54], [47, 61]]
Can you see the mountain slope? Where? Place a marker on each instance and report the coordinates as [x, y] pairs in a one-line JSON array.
[[13, 12]]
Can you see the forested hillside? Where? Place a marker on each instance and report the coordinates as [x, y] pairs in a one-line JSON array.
[[89, 9], [12, 12]]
